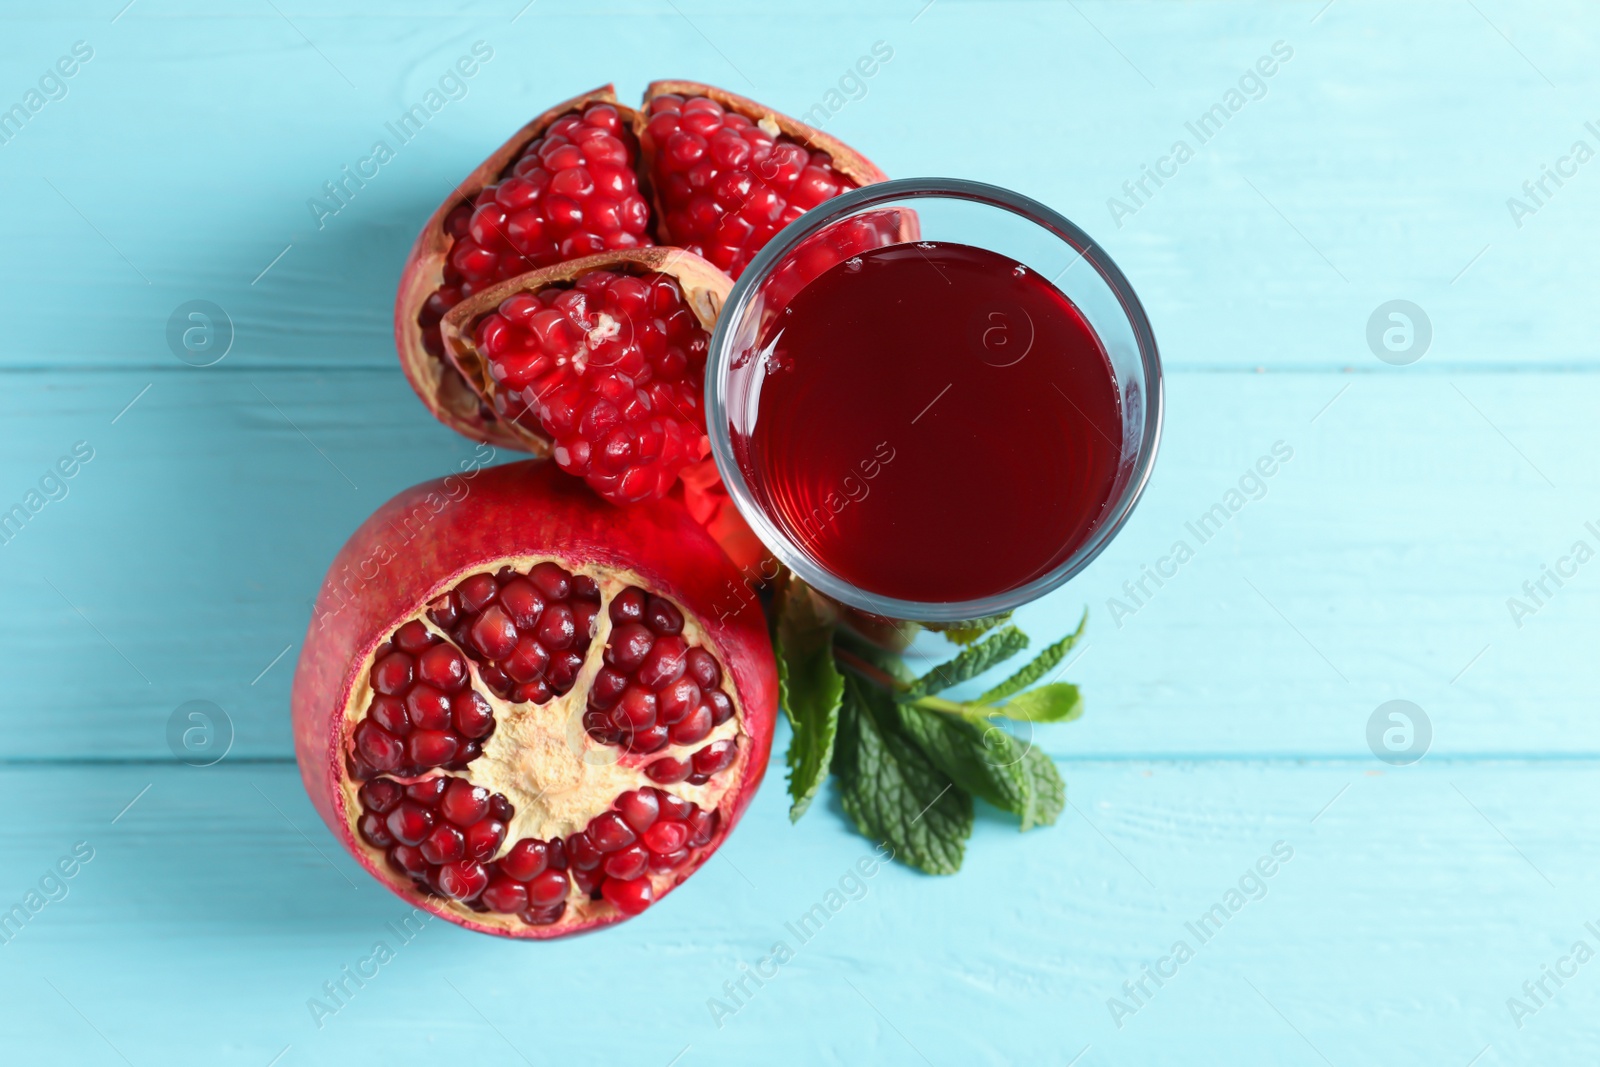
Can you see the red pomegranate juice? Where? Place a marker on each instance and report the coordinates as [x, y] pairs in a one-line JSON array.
[[933, 422]]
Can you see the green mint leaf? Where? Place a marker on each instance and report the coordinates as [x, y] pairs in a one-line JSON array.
[[964, 633], [972, 753], [894, 793], [989, 762], [810, 689], [1057, 702], [1038, 668], [1047, 792], [972, 661]]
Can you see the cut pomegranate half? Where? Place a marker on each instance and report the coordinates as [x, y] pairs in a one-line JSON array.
[[576, 182], [530, 720]]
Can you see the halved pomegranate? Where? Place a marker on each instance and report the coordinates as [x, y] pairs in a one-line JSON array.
[[726, 173], [522, 711], [605, 356]]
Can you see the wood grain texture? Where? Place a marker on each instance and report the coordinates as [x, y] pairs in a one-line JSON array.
[[1228, 711]]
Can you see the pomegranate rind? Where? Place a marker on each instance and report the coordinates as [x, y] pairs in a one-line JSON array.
[[515, 511], [705, 289], [435, 381], [846, 160]]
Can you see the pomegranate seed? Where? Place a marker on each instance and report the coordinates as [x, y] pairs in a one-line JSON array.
[[528, 660], [715, 757], [552, 581], [557, 627], [472, 715], [607, 687], [407, 860], [503, 894], [526, 860], [463, 880], [391, 675], [431, 748], [608, 832], [443, 667], [702, 827], [665, 662], [673, 807], [522, 602], [587, 881], [628, 606], [427, 708], [409, 822], [380, 795], [702, 667], [494, 634], [677, 699], [390, 713], [648, 741], [721, 707], [373, 830], [661, 863], [662, 617], [636, 711], [667, 770], [629, 897], [696, 727], [485, 838], [413, 637], [667, 835], [629, 645], [464, 803], [638, 808], [581, 853], [547, 888], [379, 747], [628, 863], [444, 844], [428, 791], [476, 592], [544, 916]]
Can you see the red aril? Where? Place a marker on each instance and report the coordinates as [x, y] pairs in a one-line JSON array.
[[488, 794]]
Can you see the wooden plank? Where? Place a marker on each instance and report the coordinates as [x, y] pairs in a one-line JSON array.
[[1312, 204], [218, 891], [1377, 565]]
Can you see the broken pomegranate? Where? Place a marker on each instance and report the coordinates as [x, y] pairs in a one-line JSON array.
[[530, 713], [726, 174], [603, 356]]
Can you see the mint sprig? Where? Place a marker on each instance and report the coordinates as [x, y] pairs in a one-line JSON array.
[[909, 761]]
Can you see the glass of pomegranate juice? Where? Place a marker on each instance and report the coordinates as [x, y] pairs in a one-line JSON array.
[[934, 400]]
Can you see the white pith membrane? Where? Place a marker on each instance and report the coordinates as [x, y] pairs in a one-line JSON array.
[[541, 758]]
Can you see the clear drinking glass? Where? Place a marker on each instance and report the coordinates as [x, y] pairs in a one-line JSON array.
[[948, 210]]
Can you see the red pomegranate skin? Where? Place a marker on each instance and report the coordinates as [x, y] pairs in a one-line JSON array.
[[518, 509]]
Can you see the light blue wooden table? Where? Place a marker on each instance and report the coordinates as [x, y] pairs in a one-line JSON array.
[[1228, 709]]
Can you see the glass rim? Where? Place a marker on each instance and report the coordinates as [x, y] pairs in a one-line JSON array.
[[800, 562]]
